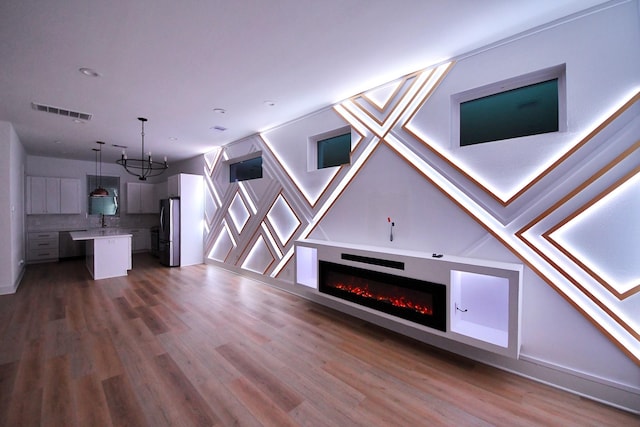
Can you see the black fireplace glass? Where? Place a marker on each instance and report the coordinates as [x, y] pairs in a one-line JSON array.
[[415, 300]]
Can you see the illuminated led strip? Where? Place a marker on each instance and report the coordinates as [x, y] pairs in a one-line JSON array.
[[320, 213], [274, 245], [626, 338], [247, 197], [522, 185], [390, 91], [620, 290], [426, 82], [238, 222], [381, 130], [310, 199], [558, 259], [252, 254], [225, 228], [284, 240], [212, 189]]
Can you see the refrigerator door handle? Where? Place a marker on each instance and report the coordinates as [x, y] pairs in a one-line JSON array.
[[162, 218]]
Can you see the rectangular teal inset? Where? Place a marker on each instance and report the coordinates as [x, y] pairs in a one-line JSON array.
[[334, 151], [528, 110], [246, 169]]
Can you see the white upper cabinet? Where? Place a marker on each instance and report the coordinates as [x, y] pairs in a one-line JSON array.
[[50, 195], [70, 200], [141, 198]]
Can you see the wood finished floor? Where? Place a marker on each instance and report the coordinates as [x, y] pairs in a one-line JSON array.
[[199, 346]]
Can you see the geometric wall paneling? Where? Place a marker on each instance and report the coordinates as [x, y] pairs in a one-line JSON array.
[[343, 178], [537, 196], [592, 209], [600, 83], [288, 146], [239, 213], [283, 220], [585, 237], [210, 204], [381, 97], [530, 159], [604, 289], [211, 158], [259, 257], [421, 83], [422, 215], [616, 324], [381, 102], [223, 243]]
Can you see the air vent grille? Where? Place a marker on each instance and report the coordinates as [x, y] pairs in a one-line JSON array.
[[61, 111]]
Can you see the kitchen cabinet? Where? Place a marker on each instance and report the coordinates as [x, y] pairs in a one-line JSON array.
[[108, 252], [141, 198], [51, 195], [42, 246], [43, 195], [140, 239], [70, 200]]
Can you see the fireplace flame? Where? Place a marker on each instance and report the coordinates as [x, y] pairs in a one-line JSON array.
[[402, 301]]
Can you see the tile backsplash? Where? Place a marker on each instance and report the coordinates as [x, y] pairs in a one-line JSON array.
[[83, 222]]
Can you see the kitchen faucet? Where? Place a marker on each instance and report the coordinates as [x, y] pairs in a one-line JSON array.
[[104, 224]]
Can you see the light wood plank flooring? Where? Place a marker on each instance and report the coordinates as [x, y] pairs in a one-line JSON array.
[[200, 346]]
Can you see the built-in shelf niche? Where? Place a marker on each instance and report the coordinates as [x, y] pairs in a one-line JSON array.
[[483, 296]]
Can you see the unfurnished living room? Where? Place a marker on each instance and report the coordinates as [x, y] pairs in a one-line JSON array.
[[346, 213]]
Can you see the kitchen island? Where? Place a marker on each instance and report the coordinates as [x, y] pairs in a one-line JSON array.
[[108, 251]]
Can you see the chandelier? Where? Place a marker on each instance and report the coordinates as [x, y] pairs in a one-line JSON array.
[[99, 191], [142, 167]]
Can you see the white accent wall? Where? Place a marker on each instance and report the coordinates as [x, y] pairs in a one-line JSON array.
[[576, 333]]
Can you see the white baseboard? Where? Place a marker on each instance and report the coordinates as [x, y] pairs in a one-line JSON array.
[[12, 288]]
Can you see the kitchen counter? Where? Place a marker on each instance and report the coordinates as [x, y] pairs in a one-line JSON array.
[[108, 251], [99, 233]]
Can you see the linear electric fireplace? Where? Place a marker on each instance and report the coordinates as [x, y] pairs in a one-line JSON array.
[[411, 299]]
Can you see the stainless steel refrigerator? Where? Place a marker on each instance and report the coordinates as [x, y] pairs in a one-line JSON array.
[[169, 232]]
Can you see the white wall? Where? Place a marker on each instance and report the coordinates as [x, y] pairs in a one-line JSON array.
[[193, 166], [560, 345], [12, 160]]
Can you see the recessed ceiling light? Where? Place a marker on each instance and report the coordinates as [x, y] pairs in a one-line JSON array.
[[270, 103], [78, 121], [218, 128], [89, 72], [173, 138], [219, 110]]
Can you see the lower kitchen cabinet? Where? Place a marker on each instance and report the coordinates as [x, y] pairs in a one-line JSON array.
[[140, 239], [42, 246]]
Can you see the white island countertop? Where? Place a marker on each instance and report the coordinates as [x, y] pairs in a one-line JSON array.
[[108, 251], [99, 233]]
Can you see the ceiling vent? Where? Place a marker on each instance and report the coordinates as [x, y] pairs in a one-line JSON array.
[[61, 111]]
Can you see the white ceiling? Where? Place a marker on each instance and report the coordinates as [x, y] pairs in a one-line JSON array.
[[173, 62]]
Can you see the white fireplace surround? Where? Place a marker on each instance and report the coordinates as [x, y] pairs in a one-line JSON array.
[[483, 296]]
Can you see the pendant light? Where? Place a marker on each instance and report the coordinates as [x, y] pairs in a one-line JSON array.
[[99, 191], [142, 167]]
